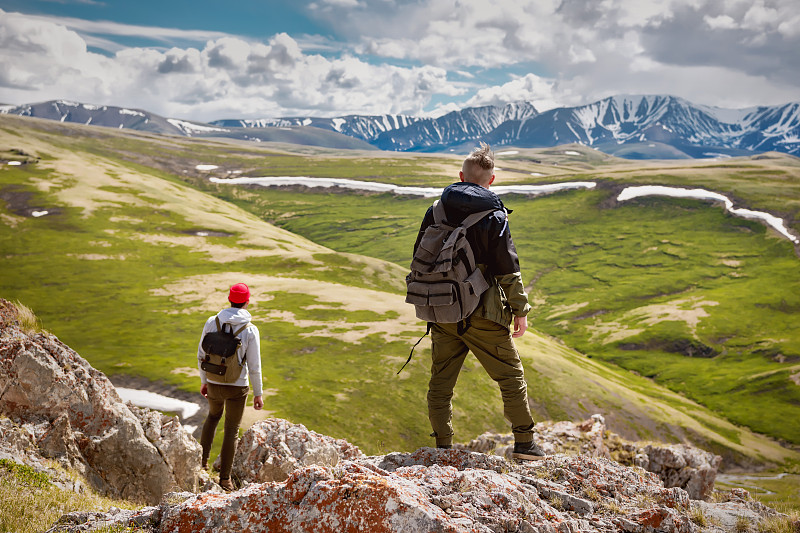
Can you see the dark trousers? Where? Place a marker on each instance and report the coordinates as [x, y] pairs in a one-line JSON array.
[[231, 400], [493, 347]]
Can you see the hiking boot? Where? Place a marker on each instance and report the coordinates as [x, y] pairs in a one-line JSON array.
[[227, 485], [527, 451]]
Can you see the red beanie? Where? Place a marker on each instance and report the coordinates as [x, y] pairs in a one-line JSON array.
[[239, 294]]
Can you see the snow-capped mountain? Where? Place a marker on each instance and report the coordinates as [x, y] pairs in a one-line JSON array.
[[634, 126], [137, 119], [693, 129], [109, 116], [454, 128], [365, 127]]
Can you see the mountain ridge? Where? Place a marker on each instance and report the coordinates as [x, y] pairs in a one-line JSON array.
[[629, 126]]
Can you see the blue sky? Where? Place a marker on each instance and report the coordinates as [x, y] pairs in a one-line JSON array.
[[206, 60]]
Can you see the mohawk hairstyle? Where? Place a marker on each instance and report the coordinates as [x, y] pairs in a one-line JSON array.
[[482, 157]]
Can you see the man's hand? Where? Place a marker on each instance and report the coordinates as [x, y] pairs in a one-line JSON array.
[[520, 325], [204, 390], [258, 403]]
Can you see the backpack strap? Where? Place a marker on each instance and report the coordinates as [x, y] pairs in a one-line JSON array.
[[235, 333], [440, 216], [438, 212], [428, 330], [474, 218]]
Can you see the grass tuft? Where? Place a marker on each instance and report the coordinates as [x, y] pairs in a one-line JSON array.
[[29, 503], [29, 323], [557, 503], [611, 507], [743, 524], [782, 523], [697, 516]]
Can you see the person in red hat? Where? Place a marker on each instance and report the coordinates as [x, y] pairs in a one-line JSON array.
[[230, 398]]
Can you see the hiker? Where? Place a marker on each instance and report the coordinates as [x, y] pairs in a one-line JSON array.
[[226, 388], [485, 331]]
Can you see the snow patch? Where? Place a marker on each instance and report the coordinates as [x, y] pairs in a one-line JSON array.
[[152, 400], [508, 152], [189, 128], [14, 163], [337, 123], [37, 214], [701, 194], [371, 186], [571, 152], [206, 167], [131, 112]]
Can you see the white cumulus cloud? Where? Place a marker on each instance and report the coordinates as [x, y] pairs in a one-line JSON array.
[[531, 88], [45, 60], [382, 56]]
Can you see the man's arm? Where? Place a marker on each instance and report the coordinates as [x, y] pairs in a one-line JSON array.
[[507, 273], [515, 293]]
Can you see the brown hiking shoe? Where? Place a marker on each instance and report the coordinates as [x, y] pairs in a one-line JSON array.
[[527, 451], [227, 485]]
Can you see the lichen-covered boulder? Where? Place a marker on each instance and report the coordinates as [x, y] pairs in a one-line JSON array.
[[432, 490], [77, 418], [678, 465], [683, 465], [272, 449]]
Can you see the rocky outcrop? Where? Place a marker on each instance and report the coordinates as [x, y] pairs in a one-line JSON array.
[[585, 438], [71, 413], [678, 465], [434, 490], [272, 449], [682, 465]]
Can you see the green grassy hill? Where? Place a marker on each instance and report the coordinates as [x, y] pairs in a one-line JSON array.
[[137, 248]]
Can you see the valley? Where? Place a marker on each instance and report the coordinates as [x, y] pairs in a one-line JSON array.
[[672, 318]]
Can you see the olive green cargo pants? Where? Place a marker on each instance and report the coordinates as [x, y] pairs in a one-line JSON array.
[[492, 345]]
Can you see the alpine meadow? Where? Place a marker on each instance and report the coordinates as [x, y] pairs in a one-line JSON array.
[[673, 318]]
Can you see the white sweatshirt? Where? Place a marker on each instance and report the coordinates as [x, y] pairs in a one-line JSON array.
[[249, 352]]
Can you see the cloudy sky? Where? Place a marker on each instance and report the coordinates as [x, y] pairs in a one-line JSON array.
[[206, 59]]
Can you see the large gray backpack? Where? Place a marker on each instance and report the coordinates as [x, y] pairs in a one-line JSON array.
[[445, 285]]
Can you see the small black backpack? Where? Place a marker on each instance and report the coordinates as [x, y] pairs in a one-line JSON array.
[[220, 347]]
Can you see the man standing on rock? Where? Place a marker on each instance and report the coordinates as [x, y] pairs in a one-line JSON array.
[[486, 331], [230, 397]]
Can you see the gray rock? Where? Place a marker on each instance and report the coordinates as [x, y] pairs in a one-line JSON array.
[[77, 418], [685, 466], [680, 465], [272, 449]]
